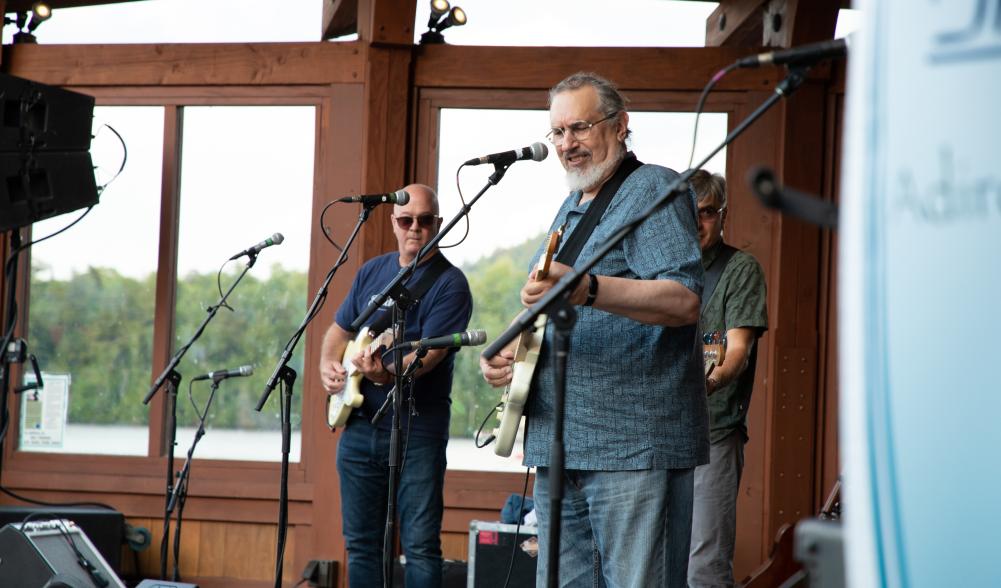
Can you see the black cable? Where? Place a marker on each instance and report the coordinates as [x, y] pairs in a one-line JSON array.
[[490, 438], [218, 283], [702, 101], [517, 529], [323, 227], [125, 157], [466, 217]]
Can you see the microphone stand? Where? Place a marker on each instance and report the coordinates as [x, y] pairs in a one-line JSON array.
[[554, 303], [288, 375], [180, 495], [173, 380], [404, 300]]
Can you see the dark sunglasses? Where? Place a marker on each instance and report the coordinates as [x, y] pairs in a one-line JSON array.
[[424, 221]]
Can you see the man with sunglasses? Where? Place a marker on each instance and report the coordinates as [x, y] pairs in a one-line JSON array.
[[635, 412], [733, 305], [443, 307]]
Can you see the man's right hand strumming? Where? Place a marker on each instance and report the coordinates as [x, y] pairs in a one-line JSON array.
[[497, 370], [333, 376]]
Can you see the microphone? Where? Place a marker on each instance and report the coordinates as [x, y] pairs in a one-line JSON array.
[[275, 239], [399, 197], [243, 370], [802, 55], [535, 152], [477, 337]]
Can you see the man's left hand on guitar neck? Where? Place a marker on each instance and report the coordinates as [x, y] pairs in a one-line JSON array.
[[534, 289]]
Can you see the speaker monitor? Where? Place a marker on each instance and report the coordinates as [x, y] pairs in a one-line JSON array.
[[105, 528], [49, 554]]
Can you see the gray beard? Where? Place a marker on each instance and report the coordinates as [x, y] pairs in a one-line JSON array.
[[587, 179]]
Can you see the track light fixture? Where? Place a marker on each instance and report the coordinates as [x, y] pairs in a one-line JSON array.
[[27, 22], [456, 17]]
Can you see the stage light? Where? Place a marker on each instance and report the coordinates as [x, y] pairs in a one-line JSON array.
[[40, 12], [438, 8], [436, 24]]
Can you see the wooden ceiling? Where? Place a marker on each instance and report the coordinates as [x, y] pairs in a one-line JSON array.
[[22, 5]]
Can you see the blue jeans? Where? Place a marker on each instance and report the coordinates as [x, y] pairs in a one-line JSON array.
[[714, 520], [628, 528], [363, 466]]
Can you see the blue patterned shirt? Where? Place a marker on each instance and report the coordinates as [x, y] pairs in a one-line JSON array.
[[635, 398]]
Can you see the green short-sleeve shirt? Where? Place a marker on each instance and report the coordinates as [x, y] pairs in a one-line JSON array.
[[738, 301]]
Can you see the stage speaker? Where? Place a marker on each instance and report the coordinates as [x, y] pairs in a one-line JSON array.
[[50, 554], [105, 528], [45, 163]]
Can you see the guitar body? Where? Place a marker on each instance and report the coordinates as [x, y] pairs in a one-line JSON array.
[[526, 357], [339, 406]]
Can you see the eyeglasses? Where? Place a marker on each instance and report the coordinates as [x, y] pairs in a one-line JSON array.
[[579, 130], [708, 212], [423, 221]]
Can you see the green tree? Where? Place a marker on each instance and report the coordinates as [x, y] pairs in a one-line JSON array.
[[495, 282]]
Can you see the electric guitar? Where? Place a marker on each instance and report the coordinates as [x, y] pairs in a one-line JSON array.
[[339, 406], [713, 351], [526, 357]]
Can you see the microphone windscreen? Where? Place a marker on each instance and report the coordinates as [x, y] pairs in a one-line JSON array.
[[539, 151], [277, 238], [402, 197], [477, 337]]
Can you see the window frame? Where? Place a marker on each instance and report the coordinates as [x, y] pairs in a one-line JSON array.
[[145, 475]]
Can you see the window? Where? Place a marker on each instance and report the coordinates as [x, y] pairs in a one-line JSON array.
[[246, 173], [91, 300], [509, 222]]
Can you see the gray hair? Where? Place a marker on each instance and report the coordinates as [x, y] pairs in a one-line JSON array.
[[708, 186], [609, 97], [610, 100]]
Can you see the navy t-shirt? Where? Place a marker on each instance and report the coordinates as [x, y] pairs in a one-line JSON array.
[[444, 309]]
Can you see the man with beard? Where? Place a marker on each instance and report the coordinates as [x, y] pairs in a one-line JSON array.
[[636, 418]]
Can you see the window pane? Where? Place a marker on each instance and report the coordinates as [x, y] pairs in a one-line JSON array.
[[247, 173], [509, 222], [91, 301]]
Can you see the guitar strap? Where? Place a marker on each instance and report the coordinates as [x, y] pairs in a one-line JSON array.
[[582, 232], [714, 271], [435, 267]]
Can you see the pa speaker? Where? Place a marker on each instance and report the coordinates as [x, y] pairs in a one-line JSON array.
[[50, 554], [45, 164]]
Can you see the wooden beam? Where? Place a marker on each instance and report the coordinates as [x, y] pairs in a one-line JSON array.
[[387, 22], [794, 22], [340, 17], [187, 64], [678, 68], [736, 23], [23, 5]]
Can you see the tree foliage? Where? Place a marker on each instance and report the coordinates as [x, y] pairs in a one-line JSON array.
[[97, 326]]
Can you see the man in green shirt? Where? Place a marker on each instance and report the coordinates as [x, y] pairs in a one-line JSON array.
[[733, 308]]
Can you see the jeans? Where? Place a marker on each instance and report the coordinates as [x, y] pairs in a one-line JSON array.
[[628, 528], [363, 466], [714, 518]]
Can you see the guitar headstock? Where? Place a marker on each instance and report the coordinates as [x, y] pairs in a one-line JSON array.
[[713, 350]]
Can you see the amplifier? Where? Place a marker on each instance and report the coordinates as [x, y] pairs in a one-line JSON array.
[[51, 553], [105, 528]]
